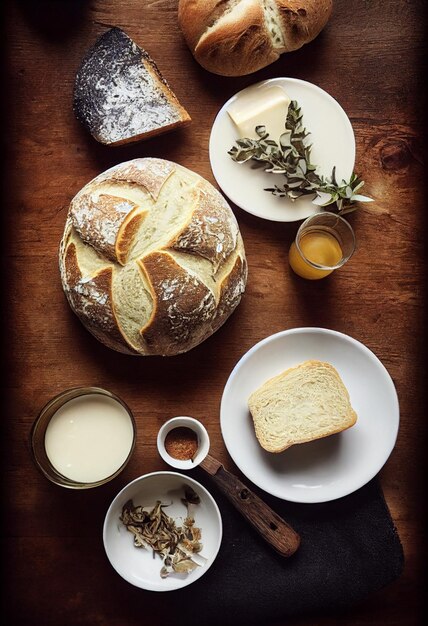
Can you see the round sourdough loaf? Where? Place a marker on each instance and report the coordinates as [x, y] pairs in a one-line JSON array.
[[152, 260], [237, 37]]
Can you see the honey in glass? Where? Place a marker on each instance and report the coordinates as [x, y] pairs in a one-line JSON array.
[[323, 243]]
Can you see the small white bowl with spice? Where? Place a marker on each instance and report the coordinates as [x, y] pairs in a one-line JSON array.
[[183, 442]]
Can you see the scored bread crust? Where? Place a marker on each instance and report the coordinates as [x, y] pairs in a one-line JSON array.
[[181, 303], [149, 173], [92, 301], [238, 37], [228, 46], [204, 233], [168, 233], [258, 404], [108, 222]]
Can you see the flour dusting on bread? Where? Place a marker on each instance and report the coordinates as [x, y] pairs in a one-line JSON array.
[[151, 259]]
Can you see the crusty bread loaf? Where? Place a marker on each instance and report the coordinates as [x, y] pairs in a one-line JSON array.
[[237, 37], [303, 403], [120, 95], [152, 260]]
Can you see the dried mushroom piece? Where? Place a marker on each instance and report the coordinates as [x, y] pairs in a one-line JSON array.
[[190, 500], [178, 546]]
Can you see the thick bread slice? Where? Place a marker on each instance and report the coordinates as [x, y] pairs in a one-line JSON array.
[[303, 403]]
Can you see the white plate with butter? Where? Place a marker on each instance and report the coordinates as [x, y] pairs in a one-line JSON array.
[[332, 139], [327, 468]]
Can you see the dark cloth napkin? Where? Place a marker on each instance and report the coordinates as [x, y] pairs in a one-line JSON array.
[[349, 548]]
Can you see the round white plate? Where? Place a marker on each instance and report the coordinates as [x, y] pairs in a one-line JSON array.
[[137, 565], [333, 144], [327, 468]]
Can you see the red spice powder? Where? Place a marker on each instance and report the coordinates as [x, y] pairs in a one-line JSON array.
[[181, 443]]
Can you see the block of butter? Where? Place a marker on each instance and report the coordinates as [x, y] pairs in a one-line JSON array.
[[265, 106]]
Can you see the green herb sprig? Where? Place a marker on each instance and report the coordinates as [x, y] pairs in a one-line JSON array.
[[292, 158]]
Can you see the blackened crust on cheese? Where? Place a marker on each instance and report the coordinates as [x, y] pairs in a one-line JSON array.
[[120, 94]]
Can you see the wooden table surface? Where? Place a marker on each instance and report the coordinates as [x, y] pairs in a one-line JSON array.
[[370, 58]]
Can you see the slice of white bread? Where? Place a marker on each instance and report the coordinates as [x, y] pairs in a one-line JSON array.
[[303, 403]]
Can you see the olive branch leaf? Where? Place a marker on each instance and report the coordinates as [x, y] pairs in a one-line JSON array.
[[291, 157]]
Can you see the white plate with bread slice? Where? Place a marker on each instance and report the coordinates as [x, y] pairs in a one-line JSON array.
[[324, 415], [266, 103]]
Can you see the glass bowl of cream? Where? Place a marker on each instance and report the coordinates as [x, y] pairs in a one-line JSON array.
[[83, 437]]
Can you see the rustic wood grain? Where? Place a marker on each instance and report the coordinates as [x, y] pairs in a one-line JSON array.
[[371, 59], [273, 528]]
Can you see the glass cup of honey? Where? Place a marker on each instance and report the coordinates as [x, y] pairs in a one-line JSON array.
[[324, 242]]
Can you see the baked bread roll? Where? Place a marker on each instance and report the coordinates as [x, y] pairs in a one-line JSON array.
[[237, 37], [152, 260], [303, 403], [120, 95]]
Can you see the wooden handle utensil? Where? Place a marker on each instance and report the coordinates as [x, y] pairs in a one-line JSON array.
[[269, 524]]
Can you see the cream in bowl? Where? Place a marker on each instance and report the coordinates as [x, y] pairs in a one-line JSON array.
[[83, 438]]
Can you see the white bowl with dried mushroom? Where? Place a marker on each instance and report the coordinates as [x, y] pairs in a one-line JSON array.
[[162, 531]]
